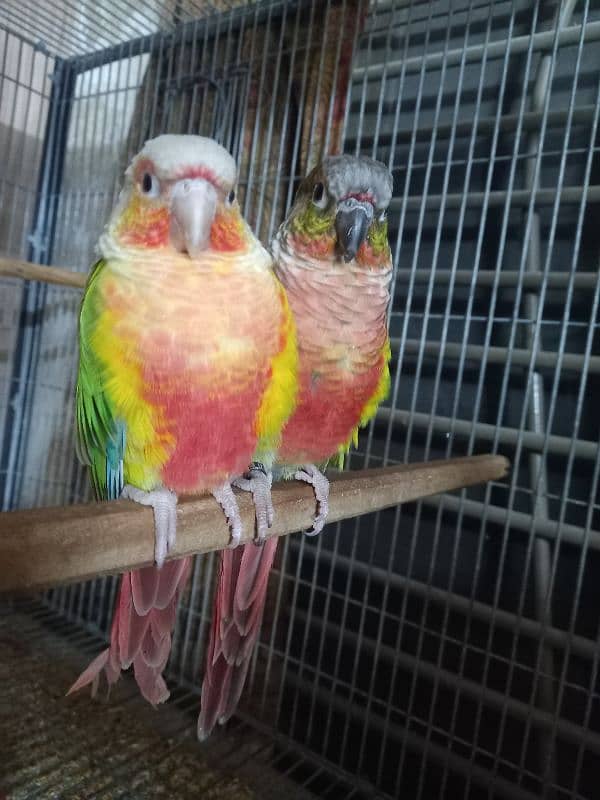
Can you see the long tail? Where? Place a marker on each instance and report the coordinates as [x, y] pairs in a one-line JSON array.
[[239, 605], [143, 621]]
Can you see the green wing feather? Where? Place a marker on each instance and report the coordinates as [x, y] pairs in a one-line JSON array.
[[101, 437]]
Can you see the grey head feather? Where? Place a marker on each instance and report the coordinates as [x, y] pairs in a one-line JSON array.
[[346, 175]]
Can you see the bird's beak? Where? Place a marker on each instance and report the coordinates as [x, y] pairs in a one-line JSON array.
[[352, 222], [193, 206]]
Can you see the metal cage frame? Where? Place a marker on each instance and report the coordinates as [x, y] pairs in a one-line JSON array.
[[492, 683]]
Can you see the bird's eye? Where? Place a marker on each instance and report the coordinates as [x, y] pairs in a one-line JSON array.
[[319, 196], [150, 185], [231, 197], [382, 216]]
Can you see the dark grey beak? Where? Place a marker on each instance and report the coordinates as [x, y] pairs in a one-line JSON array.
[[351, 224]]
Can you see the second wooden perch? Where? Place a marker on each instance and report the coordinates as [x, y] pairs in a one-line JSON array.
[[49, 546], [15, 268]]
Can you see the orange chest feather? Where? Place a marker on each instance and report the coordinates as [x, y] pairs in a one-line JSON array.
[[193, 359]]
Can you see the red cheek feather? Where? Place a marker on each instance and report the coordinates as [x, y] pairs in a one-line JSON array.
[[227, 233], [367, 257], [145, 227], [319, 247]]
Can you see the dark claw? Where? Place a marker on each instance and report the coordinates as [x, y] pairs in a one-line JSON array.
[[256, 466]]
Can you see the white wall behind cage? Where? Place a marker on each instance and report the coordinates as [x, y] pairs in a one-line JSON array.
[[449, 648]]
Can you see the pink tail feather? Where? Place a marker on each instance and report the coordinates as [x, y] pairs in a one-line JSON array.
[[239, 605], [143, 621]]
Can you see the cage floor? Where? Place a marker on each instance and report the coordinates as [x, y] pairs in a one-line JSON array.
[[54, 746]]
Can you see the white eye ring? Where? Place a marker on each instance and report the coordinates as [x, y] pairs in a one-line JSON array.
[[319, 196], [230, 199], [149, 185], [382, 216]]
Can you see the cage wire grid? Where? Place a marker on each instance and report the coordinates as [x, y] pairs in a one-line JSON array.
[[448, 648]]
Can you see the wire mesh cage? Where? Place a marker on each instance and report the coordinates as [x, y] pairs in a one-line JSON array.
[[447, 648]]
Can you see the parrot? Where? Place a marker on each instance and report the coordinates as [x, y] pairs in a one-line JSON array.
[[333, 257], [187, 372]]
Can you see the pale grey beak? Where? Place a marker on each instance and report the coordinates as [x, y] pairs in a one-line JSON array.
[[193, 206], [351, 224]]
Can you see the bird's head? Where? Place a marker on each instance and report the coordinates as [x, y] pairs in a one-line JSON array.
[[179, 194], [340, 212]]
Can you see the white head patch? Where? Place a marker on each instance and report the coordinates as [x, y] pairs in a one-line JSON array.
[[175, 154]]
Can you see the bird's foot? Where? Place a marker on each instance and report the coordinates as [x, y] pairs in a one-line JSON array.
[[258, 481], [226, 499], [310, 474], [164, 505]]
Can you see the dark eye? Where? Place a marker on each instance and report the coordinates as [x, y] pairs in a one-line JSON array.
[[231, 196], [150, 185], [319, 195]]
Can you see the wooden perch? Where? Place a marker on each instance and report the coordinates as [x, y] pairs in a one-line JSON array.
[[13, 268], [49, 546]]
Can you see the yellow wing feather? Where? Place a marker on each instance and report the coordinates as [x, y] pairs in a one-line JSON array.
[[371, 406], [279, 400]]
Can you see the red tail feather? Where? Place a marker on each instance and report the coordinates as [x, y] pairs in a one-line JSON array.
[[239, 604], [143, 621]]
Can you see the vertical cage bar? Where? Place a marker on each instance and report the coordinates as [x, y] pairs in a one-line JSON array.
[[41, 241]]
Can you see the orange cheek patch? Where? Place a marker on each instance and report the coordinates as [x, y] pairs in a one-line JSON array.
[[368, 257], [144, 225], [317, 246], [227, 233]]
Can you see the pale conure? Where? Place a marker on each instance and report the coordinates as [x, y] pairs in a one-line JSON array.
[[187, 373]]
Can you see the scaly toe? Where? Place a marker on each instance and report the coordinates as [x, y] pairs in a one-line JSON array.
[[160, 551], [258, 481], [310, 474], [226, 499], [236, 535], [164, 506]]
